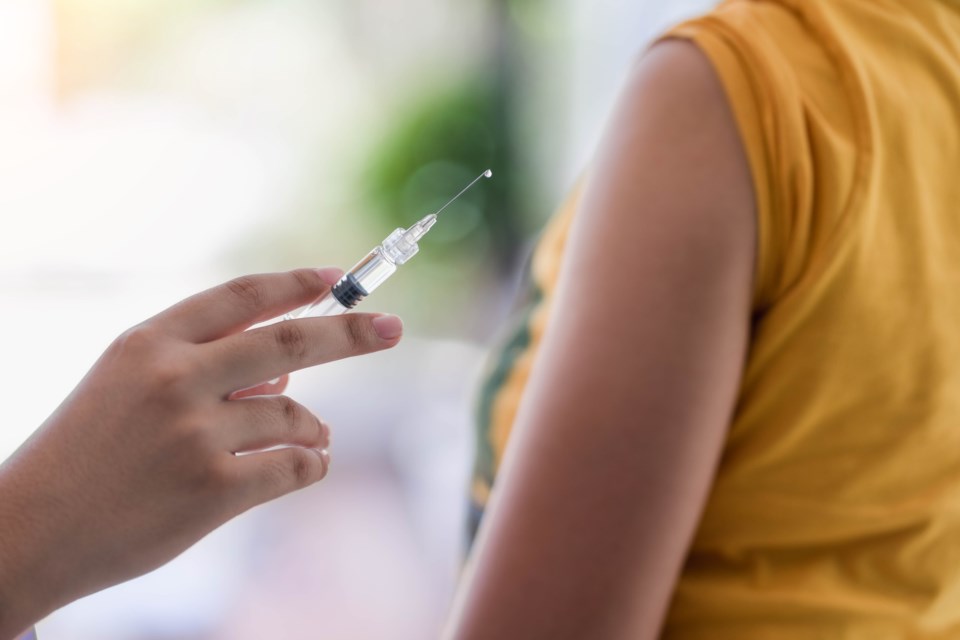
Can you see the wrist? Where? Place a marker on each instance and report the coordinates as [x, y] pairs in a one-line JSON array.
[[28, 591], [22, 603]]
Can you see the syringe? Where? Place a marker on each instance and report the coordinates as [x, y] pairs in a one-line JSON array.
[[376, 266]]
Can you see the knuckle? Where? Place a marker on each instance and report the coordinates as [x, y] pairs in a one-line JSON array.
[[291, 340], [216, 477], [309, 281], [248, 291], [190, 436], [294, 467], [193, 451], [169, 374], [357, 332], [291, 412], [137, 340], [186, 436], [302, 464]]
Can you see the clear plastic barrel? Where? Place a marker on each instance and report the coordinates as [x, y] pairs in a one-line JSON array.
[[369, 273], [373, 270]]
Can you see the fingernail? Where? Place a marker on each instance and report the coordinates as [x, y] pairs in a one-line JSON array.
[[388, 327], [325, 457], [330, 275], [325, 434]]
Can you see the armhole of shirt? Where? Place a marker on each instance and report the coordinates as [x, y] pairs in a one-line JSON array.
[[756, 107]]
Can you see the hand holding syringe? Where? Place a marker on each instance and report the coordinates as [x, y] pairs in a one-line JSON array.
[[377, 266]]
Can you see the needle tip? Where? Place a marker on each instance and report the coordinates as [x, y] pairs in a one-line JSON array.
[[486, 174]]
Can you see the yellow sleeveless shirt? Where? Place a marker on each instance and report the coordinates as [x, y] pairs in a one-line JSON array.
[[835, 512]]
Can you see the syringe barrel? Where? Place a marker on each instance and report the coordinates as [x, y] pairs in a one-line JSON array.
[[355, 285], [371, 272]]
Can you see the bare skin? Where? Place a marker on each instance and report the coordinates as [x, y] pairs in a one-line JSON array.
[[622, 424], [139, 462]]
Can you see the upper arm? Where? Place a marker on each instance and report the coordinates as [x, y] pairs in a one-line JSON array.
[[626, 411]]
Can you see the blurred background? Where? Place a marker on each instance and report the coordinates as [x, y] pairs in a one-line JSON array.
[[152, 149]]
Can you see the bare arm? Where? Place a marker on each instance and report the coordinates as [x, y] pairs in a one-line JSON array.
[[620, 430]]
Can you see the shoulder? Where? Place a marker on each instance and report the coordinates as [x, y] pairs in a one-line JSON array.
[[672, 162]]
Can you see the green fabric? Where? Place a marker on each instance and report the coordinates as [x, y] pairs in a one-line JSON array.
[[518, 340]]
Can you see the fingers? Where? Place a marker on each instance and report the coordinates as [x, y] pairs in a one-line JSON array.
[[258, 423], [272, 388], [271, 474], [244, 301], [248, 358]]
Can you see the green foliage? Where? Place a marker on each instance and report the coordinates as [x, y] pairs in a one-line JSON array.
[[444, 141]]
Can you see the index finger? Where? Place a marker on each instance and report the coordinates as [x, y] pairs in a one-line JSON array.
[[242, 302], [250, 357]]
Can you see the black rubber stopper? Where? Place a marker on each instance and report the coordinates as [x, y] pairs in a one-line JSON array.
[[348, 291]]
